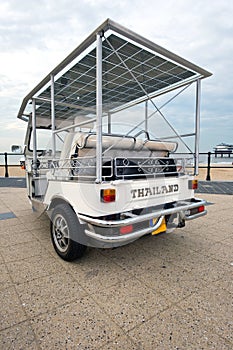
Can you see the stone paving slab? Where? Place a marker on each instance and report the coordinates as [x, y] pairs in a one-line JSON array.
[[13, 182], [171, 291], [215, 187]]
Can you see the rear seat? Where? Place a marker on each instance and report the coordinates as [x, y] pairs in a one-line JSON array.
[[82, 146], [86, 140]]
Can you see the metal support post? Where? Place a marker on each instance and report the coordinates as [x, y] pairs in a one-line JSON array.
[[6, 165], [99, 108], [197, 127], [109, 123], [34, 161], [53, 116], [146, 116], [208, 167]]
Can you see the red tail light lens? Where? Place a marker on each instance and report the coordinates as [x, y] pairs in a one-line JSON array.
[[126, 229], [201, 209], [108, 195]]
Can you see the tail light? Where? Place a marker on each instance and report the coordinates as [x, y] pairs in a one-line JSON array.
[[108, 195], [22, 165], [195, 211], [126, 229], [193, 184], [201, 209]]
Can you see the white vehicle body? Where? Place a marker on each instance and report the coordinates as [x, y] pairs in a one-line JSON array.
[[120, 184]]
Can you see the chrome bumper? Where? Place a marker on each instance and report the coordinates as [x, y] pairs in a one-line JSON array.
[[181, 207]]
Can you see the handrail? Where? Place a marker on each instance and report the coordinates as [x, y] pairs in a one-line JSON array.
[[210, 166], [6, 154]]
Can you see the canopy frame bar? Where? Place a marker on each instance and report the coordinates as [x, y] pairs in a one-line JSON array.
[[99, 110], [197, 127]]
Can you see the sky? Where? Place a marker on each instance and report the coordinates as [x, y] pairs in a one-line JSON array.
[[35, 35]]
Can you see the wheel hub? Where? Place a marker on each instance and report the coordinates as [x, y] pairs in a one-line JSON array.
[[60, 233]]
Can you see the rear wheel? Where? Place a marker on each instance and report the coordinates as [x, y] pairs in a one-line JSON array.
[[64, 232]]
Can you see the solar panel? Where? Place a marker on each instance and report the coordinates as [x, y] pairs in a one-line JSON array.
[[130, 72]]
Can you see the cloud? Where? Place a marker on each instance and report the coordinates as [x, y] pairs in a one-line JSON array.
[[37, 35]]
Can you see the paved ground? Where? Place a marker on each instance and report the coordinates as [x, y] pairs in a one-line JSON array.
[[13, 182], [172, 291], [215, 187]]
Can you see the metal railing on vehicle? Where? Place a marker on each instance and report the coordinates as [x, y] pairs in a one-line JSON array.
[[208, 165]]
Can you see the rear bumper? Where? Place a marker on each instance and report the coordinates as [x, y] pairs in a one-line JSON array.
[[95, 225]]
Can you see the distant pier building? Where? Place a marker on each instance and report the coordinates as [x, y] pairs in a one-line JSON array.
[[223, 149]]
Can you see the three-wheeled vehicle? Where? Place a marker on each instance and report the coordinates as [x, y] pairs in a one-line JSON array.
[[101, 157]]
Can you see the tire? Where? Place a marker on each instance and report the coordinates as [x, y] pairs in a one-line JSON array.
[[64, 233]]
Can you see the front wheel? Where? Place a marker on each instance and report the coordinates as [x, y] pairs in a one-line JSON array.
[[64, 232]]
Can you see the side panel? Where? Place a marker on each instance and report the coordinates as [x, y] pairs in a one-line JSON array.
[[85, 197]]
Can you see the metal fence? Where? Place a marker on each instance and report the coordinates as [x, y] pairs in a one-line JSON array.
[[208, 166], [6, 165]]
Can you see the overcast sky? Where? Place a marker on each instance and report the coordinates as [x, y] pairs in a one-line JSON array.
[[35, 35]]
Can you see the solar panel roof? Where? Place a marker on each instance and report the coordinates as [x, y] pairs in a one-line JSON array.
[[133, 69]]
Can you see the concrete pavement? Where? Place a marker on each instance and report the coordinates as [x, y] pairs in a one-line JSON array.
[[215, 187], [172, 291]]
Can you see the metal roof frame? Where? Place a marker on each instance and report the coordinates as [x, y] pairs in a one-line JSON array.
[[107, 25]]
